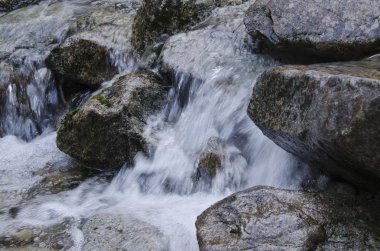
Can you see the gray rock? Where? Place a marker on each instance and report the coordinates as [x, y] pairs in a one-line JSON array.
[[263, 218], [118, 232], [327, 114], [107, 130], [216, 42], [316, 30]]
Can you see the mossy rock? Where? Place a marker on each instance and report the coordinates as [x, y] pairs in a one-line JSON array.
[[81, 61], [155, 18], [107, 131]]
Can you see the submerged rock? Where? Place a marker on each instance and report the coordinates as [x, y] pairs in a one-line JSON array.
[[264, 218], [315, 30], [9, 5], [118, 232], [54, 237], [210, 160], [326, 114], [107, 130]]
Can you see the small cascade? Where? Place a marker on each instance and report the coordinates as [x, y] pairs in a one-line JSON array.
[[208, 100], [160, 188], [31, 99]]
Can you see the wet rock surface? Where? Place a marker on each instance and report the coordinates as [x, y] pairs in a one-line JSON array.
[[118, 232], [107, 130], [210, 160], [326, 114], [155, 18], [99, 48], [221, 38], [316, 30], [81, 61], [264, 218]]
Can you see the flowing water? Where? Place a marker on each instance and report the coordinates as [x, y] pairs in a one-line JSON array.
[[160, 189], [32, 98]]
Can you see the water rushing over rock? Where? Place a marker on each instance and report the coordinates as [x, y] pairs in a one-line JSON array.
[[159, 188]]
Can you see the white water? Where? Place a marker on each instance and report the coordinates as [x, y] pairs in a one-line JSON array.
[[159, 188]]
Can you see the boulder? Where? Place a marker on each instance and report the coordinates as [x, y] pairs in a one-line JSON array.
[[81, 61], [224, 30], [264, 218], [9, 5], [157, 17], [315, 30], [98, 47], [107, 130], [119, 232], [326, 114]]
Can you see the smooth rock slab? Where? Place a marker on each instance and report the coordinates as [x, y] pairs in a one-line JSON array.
[[118, 232], [107, 130], [326, 114], [316, 30], [264, 218]]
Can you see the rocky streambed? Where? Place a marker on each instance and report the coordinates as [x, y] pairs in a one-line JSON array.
[[123, 122]]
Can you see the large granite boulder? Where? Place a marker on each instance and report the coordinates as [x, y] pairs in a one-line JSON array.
[[316, 30], [326, 114], [107, 130], [263, 218]]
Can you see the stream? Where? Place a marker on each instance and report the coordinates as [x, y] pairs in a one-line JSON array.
[[158, 189]]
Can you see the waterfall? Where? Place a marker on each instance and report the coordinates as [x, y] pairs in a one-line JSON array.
[[159, 188], [33, 101]]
